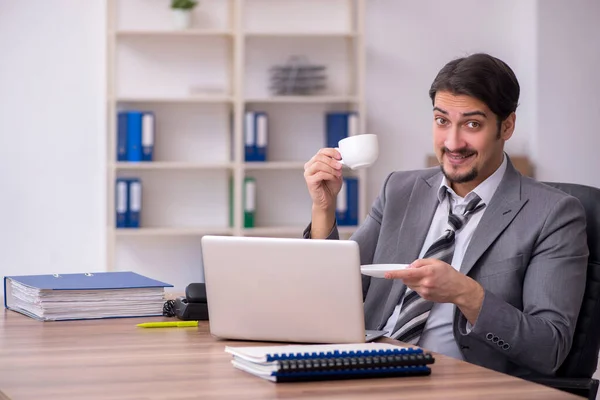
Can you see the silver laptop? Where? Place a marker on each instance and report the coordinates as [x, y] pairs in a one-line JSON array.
[[284, 290]]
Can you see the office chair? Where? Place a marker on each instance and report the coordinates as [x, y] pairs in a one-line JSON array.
[[575, 374]]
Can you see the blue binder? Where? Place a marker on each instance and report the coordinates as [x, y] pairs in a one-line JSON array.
[[121, 202], [134, 136], [249, 137], [134, 209], [338, 126], [87, 281], [122, 136], [261, 132], [346, 212], [148, 135]]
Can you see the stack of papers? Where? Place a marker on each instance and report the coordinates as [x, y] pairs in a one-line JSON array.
[[84, 296], [320, 362]]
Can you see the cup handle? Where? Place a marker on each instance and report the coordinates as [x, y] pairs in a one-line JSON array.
[[340, 160]]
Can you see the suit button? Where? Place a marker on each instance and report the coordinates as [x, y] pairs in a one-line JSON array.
[[489, 336], [495, 339], [506, 346], [500, 342]]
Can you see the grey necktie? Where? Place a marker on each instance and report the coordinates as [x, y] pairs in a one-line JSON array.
[[415, 310]]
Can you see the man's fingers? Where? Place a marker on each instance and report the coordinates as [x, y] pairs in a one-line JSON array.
[[318, 166], [406, 274], [330, 152], [421, 262]]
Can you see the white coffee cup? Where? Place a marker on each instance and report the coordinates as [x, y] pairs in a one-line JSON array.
[[359, 151]]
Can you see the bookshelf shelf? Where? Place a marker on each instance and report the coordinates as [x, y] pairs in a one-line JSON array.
[[144, 232], [303, 99], [191, 100], [198, 84], [317, 35], [274, 165], [173, 33], [170, 165]]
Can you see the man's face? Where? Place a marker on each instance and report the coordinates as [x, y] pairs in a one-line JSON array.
[[467, 140]]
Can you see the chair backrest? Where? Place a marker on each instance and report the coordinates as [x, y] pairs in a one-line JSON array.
[[583, 357]]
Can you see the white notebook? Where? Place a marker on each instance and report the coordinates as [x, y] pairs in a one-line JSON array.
[[263, 354]]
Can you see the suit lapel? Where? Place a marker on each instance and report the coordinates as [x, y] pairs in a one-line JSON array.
[[503, 208], [413, 230]]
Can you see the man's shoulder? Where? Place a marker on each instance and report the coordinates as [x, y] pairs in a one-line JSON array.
[[402, 178], [400, 184], [543, 196], [534, 189]]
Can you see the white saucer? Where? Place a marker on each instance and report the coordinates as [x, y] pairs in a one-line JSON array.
[[378, 270]]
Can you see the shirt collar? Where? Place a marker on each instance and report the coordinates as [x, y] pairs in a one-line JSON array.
[[485, 190]]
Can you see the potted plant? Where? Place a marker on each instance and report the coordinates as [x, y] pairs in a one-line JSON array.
[[182, 13]]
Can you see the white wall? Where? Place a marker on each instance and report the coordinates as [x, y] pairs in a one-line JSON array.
[[568, 135], [52, 163], [408, 42]]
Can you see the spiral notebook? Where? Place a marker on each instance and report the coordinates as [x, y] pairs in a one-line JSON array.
[[294, 363]]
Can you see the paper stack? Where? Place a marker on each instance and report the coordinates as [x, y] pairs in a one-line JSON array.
[[84, 296]]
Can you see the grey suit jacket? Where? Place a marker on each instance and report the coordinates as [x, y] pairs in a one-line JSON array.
[[529, 252]]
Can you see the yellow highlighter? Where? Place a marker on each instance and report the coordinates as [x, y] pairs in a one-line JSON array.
[[181, 324]]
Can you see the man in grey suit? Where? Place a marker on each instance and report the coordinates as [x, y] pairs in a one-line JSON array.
[[497, 260]]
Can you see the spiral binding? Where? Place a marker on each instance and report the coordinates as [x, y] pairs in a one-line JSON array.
[[377, 362], [342, 354]]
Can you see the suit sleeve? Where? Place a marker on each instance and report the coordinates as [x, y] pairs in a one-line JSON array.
[[367, 234], [540, 336]]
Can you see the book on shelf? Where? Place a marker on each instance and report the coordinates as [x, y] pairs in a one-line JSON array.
[[135, 135], [291, 363], [57, 297]]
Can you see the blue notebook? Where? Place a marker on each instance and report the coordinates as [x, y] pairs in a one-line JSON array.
[[294, 363], [84, 295]]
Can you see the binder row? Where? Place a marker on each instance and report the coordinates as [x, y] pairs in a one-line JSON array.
[[338, 125], [135, 135], [136, 131], [344, 354], [128, 202]]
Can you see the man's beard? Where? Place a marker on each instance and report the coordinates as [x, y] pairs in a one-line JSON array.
[[454, 178]]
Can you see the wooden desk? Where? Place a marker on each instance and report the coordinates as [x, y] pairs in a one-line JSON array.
[[113, 359]]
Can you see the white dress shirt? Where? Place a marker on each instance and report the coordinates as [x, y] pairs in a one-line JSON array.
[[437, 335]]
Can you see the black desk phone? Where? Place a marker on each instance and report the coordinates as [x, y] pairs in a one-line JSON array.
[[192, 307]]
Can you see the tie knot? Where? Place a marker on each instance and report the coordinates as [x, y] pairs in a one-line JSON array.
[[473, 204], [457, 221]]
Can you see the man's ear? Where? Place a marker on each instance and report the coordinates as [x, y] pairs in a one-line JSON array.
[[508, 126]]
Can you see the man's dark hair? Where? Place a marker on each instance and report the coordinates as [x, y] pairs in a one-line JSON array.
[[483, 77]]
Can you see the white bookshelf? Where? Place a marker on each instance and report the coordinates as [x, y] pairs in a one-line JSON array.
[[197, 82]]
